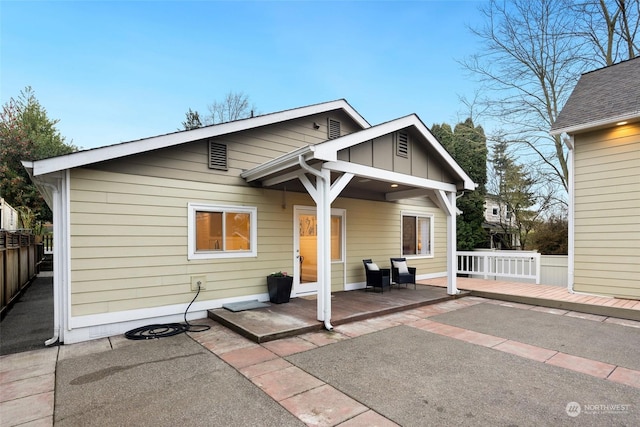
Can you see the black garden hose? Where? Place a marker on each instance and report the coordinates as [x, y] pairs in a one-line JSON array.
[[162, 330]]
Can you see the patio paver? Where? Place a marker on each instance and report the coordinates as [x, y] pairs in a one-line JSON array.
[[368, 419], [285, 383], [580, 364], [625, 376], [323, 406], [288, 346], [247, 356], [525, 350]]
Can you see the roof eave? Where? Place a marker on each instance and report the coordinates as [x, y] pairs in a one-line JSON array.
[[598, 124], [109, 152], [276, 165]]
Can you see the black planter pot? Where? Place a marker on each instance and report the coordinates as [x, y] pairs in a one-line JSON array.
[[279, 288]]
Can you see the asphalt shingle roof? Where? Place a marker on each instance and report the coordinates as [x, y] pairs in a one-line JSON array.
[[603, 94]]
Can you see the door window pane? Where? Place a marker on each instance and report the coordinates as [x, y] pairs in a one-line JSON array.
[[336, 238]]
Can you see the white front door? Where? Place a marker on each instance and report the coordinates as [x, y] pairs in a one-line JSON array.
[[305, 242]]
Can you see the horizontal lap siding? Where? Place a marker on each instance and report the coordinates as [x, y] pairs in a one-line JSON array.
[[373, 232], [607, 212], [129, 249]]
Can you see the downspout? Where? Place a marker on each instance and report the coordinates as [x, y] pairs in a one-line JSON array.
[[56, 283], [322, 187], [568, 140]]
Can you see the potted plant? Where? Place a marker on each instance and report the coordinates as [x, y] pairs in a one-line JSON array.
[[279, 285]]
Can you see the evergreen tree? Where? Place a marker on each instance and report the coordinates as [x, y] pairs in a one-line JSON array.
[[467, 145], [192, 120], [26, 133], [515, 194]]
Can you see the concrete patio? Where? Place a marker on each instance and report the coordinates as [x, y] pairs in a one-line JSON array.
[[461, 361]]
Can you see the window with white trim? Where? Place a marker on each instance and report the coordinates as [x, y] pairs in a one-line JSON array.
[[417, 234], [217, 231]]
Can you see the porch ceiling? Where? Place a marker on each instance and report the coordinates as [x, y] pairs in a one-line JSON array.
[[358, 188], [369, 183]]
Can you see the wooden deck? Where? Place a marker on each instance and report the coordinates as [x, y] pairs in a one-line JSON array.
[[546, 296], [298, 316]]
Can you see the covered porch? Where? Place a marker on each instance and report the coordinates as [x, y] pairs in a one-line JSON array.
[[397, 162]]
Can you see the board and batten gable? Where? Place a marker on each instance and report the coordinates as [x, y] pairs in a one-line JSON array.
[[607, 211], [415, 158]]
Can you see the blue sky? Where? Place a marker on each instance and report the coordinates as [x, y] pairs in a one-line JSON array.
[[117, 71]]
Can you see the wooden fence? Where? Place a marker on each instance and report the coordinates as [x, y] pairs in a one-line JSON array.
[[19, 259]]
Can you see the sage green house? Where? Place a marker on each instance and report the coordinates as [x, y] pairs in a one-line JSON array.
[[600, 124], [310, 191]]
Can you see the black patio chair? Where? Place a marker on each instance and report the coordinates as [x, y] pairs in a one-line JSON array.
[[376, 277], [401, 274]]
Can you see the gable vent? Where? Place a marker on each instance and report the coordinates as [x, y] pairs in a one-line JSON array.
[[334, 129], [402, 144], [217, 156]]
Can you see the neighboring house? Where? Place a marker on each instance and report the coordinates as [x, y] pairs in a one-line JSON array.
[[311, 191], [600, 124], [8, 216], [499, 224]]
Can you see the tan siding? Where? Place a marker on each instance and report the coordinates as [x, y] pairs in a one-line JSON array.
[[373, 231], [607, 212], [129, 240]]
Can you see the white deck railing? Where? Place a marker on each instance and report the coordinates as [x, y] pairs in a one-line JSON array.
[[507, 264]]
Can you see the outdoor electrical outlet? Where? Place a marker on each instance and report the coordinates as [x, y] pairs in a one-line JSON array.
[[201, 280]]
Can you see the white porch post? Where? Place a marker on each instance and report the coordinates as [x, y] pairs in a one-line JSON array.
[[324, 244], [447, 202], [321, 194], [452, 257]]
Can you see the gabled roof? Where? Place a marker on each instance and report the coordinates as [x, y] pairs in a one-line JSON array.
[[86, 157], [601, 98], [328, 151]]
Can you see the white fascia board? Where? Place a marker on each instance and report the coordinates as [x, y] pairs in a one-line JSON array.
[[611, 121], [109, 152], [276, 165], [468, 183], [388, 176], [328, 151]]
